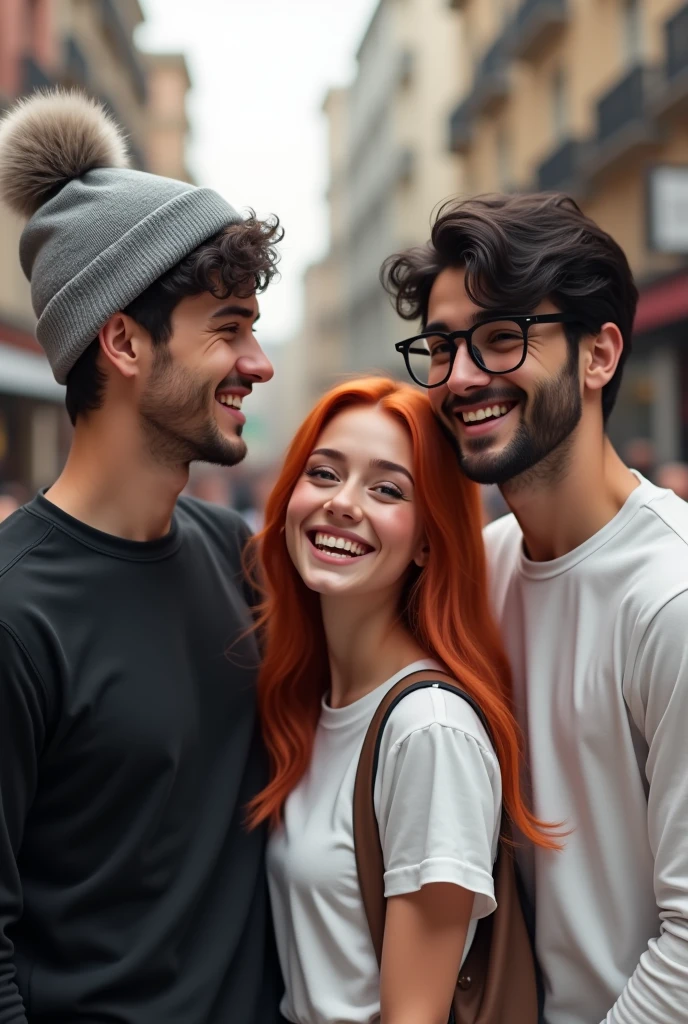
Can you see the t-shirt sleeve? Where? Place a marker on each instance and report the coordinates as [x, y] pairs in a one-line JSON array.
[[22, 734], [438, 809], [657, 695]]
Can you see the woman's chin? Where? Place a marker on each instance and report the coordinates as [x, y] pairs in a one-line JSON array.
[[329, 583]]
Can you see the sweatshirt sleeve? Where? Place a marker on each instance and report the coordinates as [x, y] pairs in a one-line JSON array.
[[22, 732], [657, 992]]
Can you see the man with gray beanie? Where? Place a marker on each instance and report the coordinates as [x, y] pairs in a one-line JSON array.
[[130, 889]]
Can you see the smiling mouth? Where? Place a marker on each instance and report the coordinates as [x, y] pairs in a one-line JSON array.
[[230, 401], [338, 547], [481, 419], [483, 413]]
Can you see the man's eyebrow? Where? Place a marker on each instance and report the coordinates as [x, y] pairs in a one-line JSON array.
[[436, 325], [474, 318], [244, 311], [394, 467]]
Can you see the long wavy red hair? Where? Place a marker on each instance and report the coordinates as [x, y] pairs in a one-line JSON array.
[[446, 606]]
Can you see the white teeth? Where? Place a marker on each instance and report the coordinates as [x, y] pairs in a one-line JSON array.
[[487, 413], [232, 400], [340, 547]]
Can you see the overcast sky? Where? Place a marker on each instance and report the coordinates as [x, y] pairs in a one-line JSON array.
[[260, 70]]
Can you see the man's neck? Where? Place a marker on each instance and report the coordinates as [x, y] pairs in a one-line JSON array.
[[558, 512], [111, 483]]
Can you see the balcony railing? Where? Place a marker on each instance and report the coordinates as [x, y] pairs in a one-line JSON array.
[[535, 25], [676, 30], [461, 127], [405, 67], [112, 23], [625, 104], [34, 77], [561, 169], [405, 164], [76, 65], [491, 81]]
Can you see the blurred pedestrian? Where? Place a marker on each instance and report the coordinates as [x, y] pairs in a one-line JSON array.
[[527, 309], [8, 503], [130, 889], [260, 488], [640, 453], [12, 496], [674, 475]]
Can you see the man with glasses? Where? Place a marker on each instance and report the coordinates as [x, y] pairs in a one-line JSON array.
[[526, 309]]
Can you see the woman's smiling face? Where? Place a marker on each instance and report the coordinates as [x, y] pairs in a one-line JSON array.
[[352, 524]]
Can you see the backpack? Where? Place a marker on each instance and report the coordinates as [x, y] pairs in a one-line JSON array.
[[497, 982]]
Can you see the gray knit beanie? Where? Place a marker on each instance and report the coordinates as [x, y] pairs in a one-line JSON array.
[[98, 233]]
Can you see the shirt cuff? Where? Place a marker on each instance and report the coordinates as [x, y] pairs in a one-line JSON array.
[[403, 880]]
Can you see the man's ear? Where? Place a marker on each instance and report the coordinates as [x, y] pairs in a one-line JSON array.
[[122, 343], [604, 350]]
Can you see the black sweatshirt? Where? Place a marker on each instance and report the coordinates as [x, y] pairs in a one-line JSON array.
[[130, 891]]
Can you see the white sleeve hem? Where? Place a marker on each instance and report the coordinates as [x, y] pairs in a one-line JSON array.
[[401, 881]]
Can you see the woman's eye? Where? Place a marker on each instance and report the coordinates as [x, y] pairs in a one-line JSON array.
[[389, 490], [321, 473]]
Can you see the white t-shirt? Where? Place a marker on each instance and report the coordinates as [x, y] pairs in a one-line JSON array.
[[438, 804], [598, 643]]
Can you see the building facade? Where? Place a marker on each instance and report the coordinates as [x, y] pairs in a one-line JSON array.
[[589, 97], [90, 46], [389, 167]]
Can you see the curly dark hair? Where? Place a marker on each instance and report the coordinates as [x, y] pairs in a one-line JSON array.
[[240, 260], [518, 250]]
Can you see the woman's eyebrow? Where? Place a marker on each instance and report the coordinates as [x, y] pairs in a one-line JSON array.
[[392, 467], [330, 453]]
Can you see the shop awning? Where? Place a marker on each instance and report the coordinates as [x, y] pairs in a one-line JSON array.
[[27, 373], [662, 303]]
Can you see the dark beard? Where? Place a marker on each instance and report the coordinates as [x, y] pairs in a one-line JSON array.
[[539, 450], [175, 411]]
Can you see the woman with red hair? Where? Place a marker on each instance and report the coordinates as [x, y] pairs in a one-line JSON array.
[[372, 566]]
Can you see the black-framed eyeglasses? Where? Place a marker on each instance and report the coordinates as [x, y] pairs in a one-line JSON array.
[[496, 345]]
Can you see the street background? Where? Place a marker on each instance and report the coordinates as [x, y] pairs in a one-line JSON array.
[[353, 122]]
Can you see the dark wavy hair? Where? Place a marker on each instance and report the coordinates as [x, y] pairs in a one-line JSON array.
[[518, 250], [240, 260]]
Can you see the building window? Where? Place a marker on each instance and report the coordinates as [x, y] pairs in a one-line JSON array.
[[504, 161], [560, 106], [632, 30]]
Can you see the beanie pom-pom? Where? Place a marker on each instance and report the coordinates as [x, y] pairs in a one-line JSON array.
[[49, 139]]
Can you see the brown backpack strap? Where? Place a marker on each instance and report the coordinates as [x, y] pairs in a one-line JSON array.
[[369, 859]]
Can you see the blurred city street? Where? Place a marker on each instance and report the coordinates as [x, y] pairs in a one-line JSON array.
[[392, 107]]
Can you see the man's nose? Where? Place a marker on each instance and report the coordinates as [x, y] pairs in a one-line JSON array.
[[254, 364], [465, 375]]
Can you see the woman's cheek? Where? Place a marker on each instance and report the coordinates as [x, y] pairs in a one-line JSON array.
[[400, 528]]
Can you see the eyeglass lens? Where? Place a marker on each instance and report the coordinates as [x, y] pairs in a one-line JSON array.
[[498, 346]]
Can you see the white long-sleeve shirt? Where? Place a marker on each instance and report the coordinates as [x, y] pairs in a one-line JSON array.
[[598, 643]]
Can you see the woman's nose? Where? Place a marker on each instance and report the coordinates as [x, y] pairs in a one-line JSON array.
[[343, 507]]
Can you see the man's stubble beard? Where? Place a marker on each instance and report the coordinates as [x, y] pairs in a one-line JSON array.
[[177, 423], [540, 451]]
